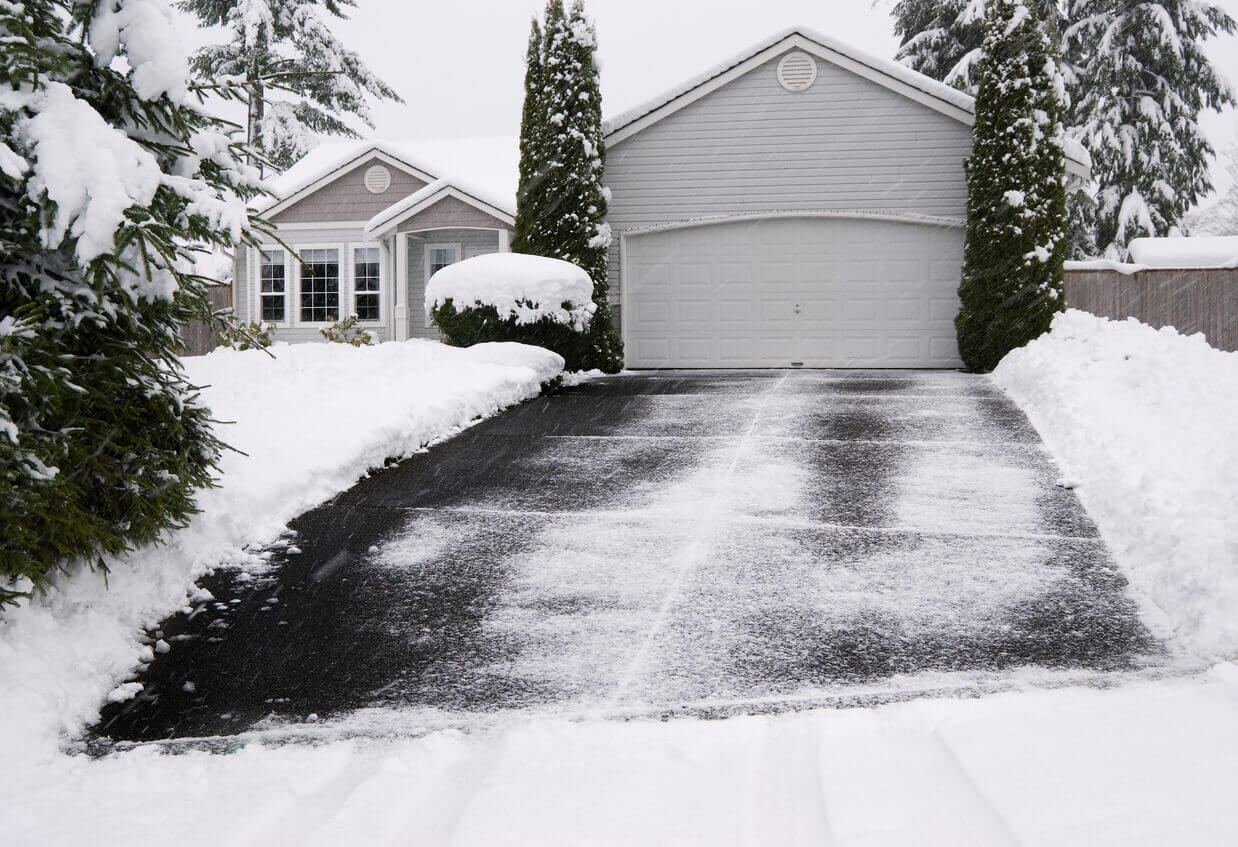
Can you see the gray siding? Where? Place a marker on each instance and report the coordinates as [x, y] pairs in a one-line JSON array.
[[347, 199], [450, 212], [845, 144], [474, 242]]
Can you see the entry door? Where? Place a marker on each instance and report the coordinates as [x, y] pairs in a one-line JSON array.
[[787, 292]]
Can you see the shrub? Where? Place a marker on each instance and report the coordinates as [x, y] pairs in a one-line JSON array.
[[480, 323], [250, 335], [348, 331]]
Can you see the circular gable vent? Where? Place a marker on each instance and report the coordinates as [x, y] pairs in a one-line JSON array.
[[378, 179], [797, 71]]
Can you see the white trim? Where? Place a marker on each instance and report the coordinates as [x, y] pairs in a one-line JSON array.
[[400, 241], [355, 226], [335, 173], [256, 286], [505, 240], [924, 220], [378, 227], [431, 246], [626, 128], [341, 249], [383, 284]]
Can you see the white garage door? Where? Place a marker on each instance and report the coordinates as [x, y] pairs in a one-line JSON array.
[[781, 292]]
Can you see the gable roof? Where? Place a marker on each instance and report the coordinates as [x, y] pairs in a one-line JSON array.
[[417, 202], [485, 169], [898, 78]]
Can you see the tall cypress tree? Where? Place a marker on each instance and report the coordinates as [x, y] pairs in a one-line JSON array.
[[1016, 183], [562, 204], [1143, 82], [300, 79]]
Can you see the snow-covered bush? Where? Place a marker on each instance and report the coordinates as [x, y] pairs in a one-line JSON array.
[[247, 335], [1016, 190], [114, 181], [514, 297]]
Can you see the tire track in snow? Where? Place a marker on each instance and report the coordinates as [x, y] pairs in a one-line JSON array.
[[690, 557]]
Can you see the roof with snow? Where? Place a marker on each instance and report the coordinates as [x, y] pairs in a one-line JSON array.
[[1214, 251], [484, 169], [891, 74]]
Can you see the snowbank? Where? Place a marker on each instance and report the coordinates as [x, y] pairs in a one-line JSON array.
[[1105, 265], [1144, 765], [311, 421], [1142, 421], [1215, 251], [527, 288]]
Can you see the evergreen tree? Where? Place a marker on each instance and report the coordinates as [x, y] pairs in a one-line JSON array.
[[113, 178], [562, 204], [1220, 217], [1143, 81], [300, 81], [943, 38], [1016, 182]]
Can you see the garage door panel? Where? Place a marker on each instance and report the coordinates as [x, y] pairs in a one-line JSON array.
[[869, 293]]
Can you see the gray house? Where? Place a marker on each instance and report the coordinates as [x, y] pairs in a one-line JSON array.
[[799, 204], [364, 225]]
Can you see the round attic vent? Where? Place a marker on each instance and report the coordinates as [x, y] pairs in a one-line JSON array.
[[378, 179], [797, 71]]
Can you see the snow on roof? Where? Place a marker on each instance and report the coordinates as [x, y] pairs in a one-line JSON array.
[[486, 168], [898, 72], [1216, 251]]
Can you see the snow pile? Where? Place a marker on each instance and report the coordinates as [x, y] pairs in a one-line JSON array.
[[309, 423], [1142, 765], [527, 288], [1142, 421], [152, 47], [1216, 251]]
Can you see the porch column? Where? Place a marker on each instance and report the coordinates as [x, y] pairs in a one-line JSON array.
[[505, 240], [400, 242]]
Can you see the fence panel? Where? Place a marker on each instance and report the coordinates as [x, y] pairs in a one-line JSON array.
[[200, 336], [1191, 300]]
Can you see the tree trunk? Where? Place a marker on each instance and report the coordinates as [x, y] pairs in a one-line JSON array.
[[257, 109]]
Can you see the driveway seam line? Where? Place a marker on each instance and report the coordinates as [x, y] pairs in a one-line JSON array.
[[692, 556]]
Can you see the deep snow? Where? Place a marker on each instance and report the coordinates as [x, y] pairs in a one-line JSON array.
[[527, 288], [307, 424], [1142, 422]]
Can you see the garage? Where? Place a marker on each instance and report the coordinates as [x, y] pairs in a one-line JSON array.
[[795, 291], [800, 204]]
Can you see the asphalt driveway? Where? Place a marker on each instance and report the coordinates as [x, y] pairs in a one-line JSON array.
[[709, 542]]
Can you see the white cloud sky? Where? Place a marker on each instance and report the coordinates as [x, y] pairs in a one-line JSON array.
[[460, 65]]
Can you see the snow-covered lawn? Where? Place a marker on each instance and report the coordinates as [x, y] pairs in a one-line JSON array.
[[1141, 422], [308, 424], [1144, 423]]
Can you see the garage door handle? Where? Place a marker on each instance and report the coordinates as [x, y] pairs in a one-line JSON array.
[[796, 310]]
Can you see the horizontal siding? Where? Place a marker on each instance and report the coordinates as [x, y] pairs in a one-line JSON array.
[[347, 199], [473, 242], [450, 212], [845, 144]]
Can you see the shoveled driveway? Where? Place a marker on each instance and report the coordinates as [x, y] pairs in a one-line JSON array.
[[653, 543]]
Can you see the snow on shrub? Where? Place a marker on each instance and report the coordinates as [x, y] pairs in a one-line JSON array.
[[514, 297], [1142, 422], [525, 288]]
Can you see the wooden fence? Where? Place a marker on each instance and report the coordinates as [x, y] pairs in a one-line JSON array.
[[1191, 300], [199, 336]]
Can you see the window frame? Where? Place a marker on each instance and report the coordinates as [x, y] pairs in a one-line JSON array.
[[439, 245], [259, 296], [380, 321], [342, 254]]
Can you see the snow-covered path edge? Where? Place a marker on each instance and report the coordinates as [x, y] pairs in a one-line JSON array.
[[312, 422], [1141, 422]]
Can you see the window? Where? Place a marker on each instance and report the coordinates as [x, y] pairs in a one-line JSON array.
[[365, 278], [272, 272], [439, 256], [320, 286]]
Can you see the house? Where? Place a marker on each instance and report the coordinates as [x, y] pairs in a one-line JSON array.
[[801, 203], [365, 224]]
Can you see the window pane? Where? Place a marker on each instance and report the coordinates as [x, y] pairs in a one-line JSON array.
[[271, 270], [273, 309], [441, 257], [367, 307], [320, 285], [365, 269]]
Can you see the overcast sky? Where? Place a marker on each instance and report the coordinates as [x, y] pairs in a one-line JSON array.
[[460, 65]]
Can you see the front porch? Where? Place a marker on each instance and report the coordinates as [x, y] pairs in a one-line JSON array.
[[419, 253]]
